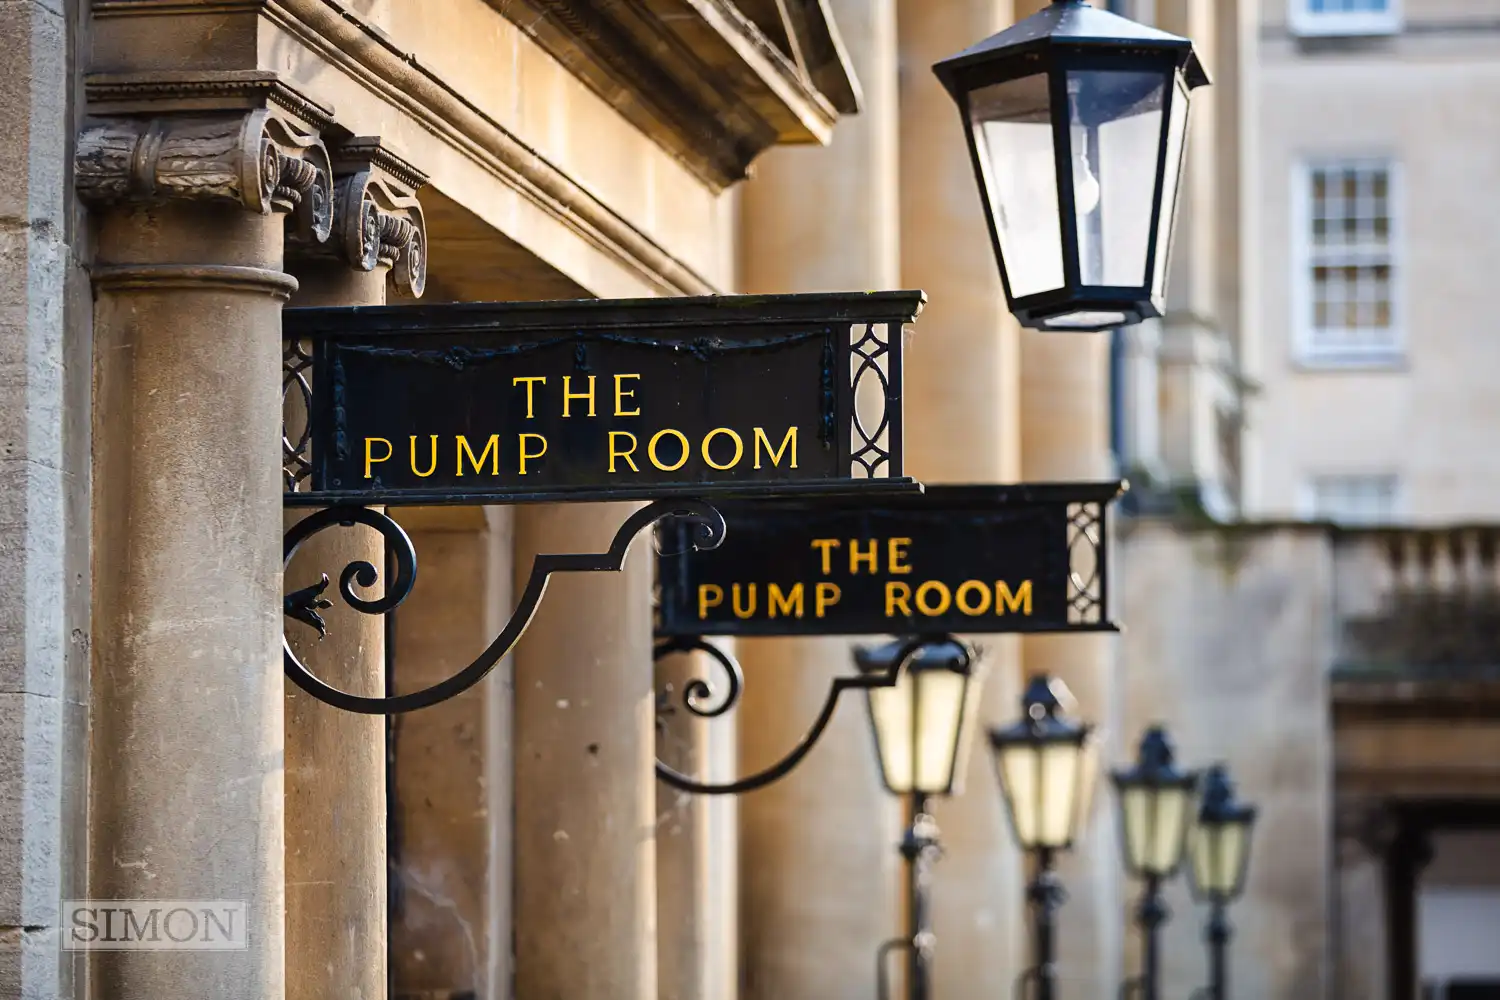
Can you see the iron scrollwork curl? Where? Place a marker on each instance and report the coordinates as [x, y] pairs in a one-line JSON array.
[[699, 696], [760, 779], [303, 605]]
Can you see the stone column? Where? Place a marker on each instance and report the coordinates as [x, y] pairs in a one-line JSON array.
[[696, 842], [1364, 835], [585, 788], [335, 760], [963, 426], [818, 862], [186, 783], [450, 809]]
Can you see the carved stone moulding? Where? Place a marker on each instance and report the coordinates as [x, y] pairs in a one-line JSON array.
[[245, 138]]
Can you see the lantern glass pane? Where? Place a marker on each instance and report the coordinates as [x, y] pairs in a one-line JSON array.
[[1171, 182], [1060, 779], [1019, 779], [1114, 137], [1219, 858], [1136, 816], [1012, 135], [940, 715], [891, 712], [1168, 829]]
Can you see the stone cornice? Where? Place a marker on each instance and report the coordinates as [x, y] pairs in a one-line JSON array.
[[186, 92], [371, 58], [697, 75]]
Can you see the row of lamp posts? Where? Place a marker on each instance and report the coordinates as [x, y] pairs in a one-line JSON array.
[[1046, 763], [1076, 121]]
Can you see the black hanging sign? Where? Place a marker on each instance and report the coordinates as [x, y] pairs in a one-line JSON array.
[[960, 559], [713, 397]]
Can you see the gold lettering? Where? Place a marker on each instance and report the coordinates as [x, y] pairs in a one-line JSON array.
[[651, 449], [790, 439], [569, 395], [530, 381], [896, 555], [734, 601], [531, 454], [825, 596], [856, 557], [431, 468], [944, 598], [789, 603], [897, 598], [370, 459], [710, 595], [827, 545], [620, 393], [614, 454], [492, 445], [970, 607], [1021, 601], [739, 448]]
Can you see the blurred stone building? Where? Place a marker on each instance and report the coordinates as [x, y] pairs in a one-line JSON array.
[[178, 171], [1336, 644]]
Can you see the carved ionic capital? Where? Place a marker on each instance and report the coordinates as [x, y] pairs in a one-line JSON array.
[[378, 221], [162, 140]]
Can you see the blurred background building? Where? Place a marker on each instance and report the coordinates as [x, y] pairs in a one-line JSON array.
[[1308, 573]]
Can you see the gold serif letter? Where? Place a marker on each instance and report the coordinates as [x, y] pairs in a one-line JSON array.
[[526, 454], [370, 458]]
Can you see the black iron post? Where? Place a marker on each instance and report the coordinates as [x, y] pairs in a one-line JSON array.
[[1046, 895], [1152, 914], [920, 849], [1219, 933]]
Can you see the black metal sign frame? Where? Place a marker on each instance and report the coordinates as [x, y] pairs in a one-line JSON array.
[[496, 403], [956, 559]]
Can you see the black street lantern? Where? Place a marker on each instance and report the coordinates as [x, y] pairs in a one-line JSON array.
[[1046, 765], [1220, 853], [921, 723], [1221, 840], [1076, 120], [1156, 805]]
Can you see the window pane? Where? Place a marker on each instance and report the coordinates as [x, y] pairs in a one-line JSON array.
[[1355, 499], [1349, 274], [1013, 134], [1115, 138]]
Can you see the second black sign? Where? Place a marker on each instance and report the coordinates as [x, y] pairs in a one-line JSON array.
[[961, 559]]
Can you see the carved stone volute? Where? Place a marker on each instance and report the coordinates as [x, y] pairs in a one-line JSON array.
[[246, 139], [378, 221]]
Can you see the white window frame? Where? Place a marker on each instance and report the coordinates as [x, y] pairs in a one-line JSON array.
[[1306, 348], [1315, 24], [1308, 499]]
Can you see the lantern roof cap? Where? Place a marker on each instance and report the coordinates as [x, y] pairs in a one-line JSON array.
[[1220, 805], [939, 653], [1155, 765], [1072, 23], [1042, 717]]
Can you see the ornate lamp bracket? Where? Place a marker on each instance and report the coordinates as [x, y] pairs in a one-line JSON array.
[[700, 698], [304, 604]]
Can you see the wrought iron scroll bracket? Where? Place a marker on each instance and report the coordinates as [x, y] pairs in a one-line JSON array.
[[698, 698], [304, 604]]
